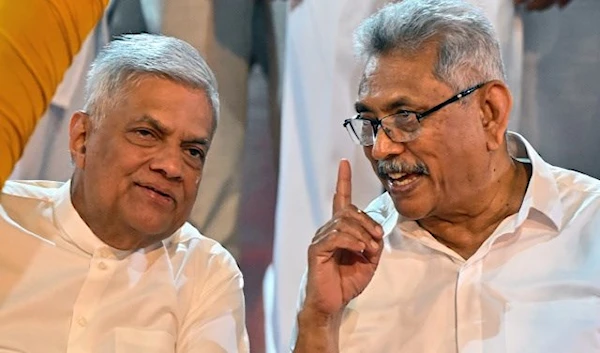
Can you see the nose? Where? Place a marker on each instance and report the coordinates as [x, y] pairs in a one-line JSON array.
[[168, 161], [384, 147]]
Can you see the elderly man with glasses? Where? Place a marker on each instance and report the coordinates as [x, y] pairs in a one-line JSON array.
[[478, 245]]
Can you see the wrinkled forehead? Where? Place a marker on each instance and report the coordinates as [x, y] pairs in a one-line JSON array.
[[131, 81], [398, 68], [395, 74], [159, 100]]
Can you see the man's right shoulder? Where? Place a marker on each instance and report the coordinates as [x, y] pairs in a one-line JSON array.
[[30, 189], [26, 206]]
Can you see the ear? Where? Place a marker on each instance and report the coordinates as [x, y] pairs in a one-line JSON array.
[[496, 103], [79, 132]]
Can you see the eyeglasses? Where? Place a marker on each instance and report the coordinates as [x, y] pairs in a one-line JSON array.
[[402, 126]]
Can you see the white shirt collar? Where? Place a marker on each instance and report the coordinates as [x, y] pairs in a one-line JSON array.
[[542, 192], [76, 232]]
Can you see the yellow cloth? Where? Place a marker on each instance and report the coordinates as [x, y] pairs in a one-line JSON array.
[[38, 40]]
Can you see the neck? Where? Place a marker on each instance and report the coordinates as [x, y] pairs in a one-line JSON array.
[[97, 225], [465, 231]]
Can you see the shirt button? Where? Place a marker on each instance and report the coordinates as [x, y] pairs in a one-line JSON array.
[[102, 266], [82, 321]]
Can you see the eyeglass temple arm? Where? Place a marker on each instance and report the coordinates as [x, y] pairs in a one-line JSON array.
[[449, 101]]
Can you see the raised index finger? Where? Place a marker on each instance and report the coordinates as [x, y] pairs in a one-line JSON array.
[[343, 188]]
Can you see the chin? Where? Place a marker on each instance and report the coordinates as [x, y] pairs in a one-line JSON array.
[[153, 227], [145, 216], [411, 210]]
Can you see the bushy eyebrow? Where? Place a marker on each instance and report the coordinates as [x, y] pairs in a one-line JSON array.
[[162, 129], [361, 108], [392, 106], [157, 125]]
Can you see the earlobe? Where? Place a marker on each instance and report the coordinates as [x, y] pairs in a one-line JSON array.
[[78, 137], [496, 107]]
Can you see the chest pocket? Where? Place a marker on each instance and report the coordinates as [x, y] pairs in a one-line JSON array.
[[558, 326], [129, 340]]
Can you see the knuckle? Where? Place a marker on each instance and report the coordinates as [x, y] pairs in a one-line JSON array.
[[350, 208], [321, 230], [340, 222], [325, 233]]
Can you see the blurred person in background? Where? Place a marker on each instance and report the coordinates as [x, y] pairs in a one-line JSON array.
[[560, 112], [233, 35]]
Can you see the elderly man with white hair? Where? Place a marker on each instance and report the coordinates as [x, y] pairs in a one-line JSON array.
[[106, 261]]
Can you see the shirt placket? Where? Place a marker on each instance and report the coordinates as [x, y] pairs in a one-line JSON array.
[[468, 306], [103, 265]]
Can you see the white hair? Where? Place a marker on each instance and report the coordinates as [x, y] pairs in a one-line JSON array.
[[468, 49], [128, 59]]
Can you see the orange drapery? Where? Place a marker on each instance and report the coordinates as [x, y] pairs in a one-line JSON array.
[[38, 40]]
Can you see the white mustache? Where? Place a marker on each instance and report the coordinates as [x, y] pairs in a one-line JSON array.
[[385, 167]]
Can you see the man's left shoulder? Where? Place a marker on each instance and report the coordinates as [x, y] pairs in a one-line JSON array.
[[203, 250], [577, 190], [579, 196], [574, 181]]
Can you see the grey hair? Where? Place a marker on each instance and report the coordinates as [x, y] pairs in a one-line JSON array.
[[125, 61], [468, 48]]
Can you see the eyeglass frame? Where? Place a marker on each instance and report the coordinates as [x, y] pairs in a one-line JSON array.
[[376, 122]]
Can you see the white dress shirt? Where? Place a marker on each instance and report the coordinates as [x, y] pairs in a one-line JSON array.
[[532, 287], [64, 290]]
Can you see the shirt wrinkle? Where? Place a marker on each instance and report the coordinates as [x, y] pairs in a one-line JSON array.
[[532, 286], [104, 300]]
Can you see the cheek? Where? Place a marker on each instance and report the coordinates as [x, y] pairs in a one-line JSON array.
[[113, 172], [443, 157], [460, 165], [459, 137], [128, 159], [190, 188]]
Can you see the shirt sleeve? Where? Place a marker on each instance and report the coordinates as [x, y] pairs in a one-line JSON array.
[[216, 321], [38, 40]]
